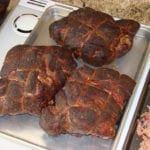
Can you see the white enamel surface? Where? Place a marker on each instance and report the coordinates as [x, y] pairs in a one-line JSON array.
[[26, 22]]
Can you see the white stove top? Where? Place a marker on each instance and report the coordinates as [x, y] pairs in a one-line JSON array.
[[19, 24], [15, 30]]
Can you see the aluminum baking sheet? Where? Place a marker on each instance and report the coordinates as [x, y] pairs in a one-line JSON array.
[[26, 129]]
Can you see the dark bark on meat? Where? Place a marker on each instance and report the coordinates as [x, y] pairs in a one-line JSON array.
[[90, 103], [94, 36], [31, 75]]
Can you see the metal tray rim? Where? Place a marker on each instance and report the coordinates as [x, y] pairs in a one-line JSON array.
[[132, 104]]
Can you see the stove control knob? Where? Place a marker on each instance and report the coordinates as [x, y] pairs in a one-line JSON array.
[[24, 24]]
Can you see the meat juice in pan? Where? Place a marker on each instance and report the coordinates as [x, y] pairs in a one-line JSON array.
[[27, 124]]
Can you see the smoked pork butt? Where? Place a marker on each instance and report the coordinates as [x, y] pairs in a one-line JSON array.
[[90, 103], [31, 76], [94, 36]]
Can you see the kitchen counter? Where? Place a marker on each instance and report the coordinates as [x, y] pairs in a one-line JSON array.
[[131, 9], [12, 4]]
